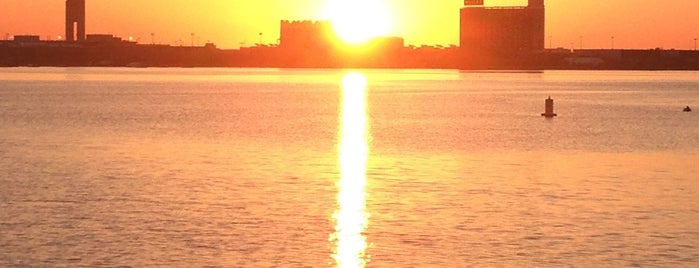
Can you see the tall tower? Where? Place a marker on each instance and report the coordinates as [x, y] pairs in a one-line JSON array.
[[75, 18]]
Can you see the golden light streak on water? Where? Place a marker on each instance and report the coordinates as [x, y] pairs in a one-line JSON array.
[[351, 216]]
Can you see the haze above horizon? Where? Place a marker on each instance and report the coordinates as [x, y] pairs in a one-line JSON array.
[[235, 23]]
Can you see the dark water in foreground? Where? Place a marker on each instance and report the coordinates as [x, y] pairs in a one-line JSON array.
[[315, 168]]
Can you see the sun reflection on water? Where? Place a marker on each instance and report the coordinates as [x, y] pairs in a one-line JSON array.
[[350, 216]]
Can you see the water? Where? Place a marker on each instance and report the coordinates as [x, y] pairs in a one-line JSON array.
[[323, 168]]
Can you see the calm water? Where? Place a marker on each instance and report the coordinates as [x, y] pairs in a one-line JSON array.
[[316, 168]]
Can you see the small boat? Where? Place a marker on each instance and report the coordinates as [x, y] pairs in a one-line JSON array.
[[687, 109]]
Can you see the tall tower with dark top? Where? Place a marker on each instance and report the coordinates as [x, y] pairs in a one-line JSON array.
[[75, 20]]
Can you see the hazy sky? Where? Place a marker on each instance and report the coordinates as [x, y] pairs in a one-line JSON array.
[[230, 23]]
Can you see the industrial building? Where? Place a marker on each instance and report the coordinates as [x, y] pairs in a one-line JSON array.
[[502, 31]]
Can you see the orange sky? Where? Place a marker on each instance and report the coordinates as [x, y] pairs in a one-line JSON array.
[[230, 23]]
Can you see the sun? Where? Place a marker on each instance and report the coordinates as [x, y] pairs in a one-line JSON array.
[[358, 21]]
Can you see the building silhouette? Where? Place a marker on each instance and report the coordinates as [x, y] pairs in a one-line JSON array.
[[305, 35], [75, 20], [305, 43], [502, 31]]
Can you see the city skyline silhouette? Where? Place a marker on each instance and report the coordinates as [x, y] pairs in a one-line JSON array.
[[512, 38], [232, 24]]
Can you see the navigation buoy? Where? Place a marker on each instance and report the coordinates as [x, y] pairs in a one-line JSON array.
[[549, 109]]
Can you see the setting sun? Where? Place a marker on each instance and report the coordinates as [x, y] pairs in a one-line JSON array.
[[359, 20]]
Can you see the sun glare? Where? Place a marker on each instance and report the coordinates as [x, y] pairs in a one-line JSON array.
[[351, 216], [357, 21]]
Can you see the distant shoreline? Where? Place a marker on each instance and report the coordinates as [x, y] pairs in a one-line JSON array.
[[128, 54]]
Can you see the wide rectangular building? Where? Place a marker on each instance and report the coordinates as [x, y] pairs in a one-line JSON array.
[[502, 30]]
